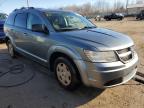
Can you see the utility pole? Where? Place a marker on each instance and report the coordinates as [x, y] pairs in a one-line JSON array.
[[27, 3], [127, 2]]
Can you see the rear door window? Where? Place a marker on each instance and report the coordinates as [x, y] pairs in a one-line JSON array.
[[21, 20]]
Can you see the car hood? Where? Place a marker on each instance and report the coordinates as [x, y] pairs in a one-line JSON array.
[[100, 38]]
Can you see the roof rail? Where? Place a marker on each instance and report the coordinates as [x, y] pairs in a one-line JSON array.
[[27, 8], [31, 7], [22, 8], [15, 10]]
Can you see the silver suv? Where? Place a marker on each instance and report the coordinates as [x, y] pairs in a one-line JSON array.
[[71, 47]]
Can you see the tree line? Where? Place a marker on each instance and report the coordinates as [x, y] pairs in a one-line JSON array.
[[101, 7]]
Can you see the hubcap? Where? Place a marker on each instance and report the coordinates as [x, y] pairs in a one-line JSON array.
[[63, 74], [10, 49]]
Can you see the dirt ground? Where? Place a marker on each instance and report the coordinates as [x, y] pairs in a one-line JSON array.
[[32, 88], [132, 28]]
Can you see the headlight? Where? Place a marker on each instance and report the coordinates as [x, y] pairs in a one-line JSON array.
[[108, 56]]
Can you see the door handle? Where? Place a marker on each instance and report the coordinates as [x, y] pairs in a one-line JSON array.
[[25, 34], [12, 29]]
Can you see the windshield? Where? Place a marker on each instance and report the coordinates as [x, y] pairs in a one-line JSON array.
[[3, 16], [67, 21]]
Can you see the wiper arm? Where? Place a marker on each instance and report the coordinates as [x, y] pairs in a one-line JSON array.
[[88, 27], [68, 29]]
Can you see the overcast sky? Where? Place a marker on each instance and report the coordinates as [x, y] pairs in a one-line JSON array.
[[8, 5]]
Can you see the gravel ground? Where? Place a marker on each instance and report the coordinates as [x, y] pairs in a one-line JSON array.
[[39, 90], [132, 28]]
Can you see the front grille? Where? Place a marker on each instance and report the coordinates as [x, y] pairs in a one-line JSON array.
[[1, 27], [1, 30], [125, 54], [123, 50]]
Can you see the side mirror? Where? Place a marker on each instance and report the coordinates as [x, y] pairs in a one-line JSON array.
[[40, 28]]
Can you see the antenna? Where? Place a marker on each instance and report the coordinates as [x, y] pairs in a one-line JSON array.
[[127, 3], [28, 3]]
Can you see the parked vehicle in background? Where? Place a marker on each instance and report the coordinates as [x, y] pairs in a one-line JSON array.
[[2, 21], [72, 47], [117, 16], [98, 18], [140, 16]]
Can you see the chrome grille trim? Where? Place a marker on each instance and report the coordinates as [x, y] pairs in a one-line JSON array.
[[125, 55]]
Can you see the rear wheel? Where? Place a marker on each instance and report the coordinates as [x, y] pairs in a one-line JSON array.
[[108, 19], [119, 19], [66, 73], [141, 18], [11, 49]]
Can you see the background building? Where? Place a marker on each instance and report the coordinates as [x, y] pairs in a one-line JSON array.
[[135, 8]]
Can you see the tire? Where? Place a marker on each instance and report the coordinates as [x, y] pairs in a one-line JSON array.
[[11, 50], [120, 19], [66, 73], [108, 19], [138, 19]]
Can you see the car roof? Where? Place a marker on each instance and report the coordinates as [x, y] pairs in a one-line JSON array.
[[52, 10], [23, 9]]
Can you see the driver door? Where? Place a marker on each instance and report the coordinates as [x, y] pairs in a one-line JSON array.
[[38, 41]]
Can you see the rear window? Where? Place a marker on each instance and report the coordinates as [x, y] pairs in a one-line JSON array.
[[20, 20], [10, 19]]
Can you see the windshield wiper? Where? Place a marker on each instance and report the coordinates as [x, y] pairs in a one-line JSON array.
[[88, 27], [71, 29], [67, 29]]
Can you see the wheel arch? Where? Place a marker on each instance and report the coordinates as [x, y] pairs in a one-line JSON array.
[[62, 51], [9, 38]]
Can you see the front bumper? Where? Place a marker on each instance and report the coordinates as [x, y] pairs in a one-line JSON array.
[[104, 75]]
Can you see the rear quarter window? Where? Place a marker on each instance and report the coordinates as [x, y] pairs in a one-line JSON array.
[[10, 19], [21, 20]]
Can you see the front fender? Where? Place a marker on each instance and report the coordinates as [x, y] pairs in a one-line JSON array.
[[72, 53]]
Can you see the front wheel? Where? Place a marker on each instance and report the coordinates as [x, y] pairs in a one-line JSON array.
[[119, 19], [108, 19], [66, 73]]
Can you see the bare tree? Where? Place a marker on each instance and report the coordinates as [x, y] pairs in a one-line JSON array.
[[118, 6], [86, 9], [99, 7], [131, 1], [140, 1]]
